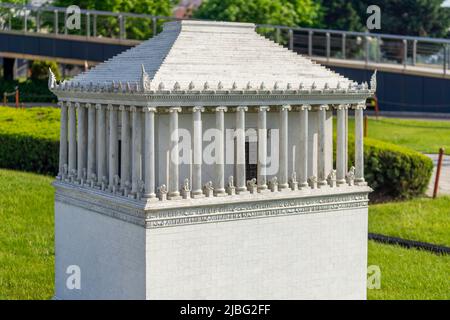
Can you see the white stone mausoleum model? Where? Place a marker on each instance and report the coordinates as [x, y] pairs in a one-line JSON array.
[[199, 165]]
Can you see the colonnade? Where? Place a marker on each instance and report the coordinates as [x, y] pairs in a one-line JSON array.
[[89, 152]]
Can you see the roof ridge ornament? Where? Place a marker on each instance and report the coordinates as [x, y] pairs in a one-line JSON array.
[[289, 86], [373, 82], [206, 86], [276, 86], [234, 86], [161, 86], [262, 86], [249, 86], [313, 86], [145, 80], [191, 85], [51, 79], [176, 86], [220, 85]]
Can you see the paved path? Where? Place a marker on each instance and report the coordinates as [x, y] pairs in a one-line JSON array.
[[444, 180]]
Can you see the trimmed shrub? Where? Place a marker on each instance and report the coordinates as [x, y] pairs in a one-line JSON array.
[[29, 139], [394, 172], [30, 91]]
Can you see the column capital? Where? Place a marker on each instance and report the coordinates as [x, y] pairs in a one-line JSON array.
[[242, 108], [134, 109], [149, 109], [98, 106], [341, 107], [359, 106], [198, 109], [263, 108], [69, 104], [60, 104], [221, 109], [323, 107], [285, 107], [110, 107], [78, 105], [174, 109], [87, 105], [304, 107]]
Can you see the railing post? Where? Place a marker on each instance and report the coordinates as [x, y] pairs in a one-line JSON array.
[[438, 173], [328, 37], [344, 39], [155, 26], [414, 53], [277, 35], [445, 59], [291, 39], [88, 25], [94, 25], [310, 44], [38, 20], [25, 21], [120, 27], [405, 52], [65, 22], [367, 49], [379, 49], [55, 21]]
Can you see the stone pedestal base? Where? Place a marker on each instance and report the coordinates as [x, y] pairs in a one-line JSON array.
[[298, 245]]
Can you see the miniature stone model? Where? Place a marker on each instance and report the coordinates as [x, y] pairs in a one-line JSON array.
[[148, 138]]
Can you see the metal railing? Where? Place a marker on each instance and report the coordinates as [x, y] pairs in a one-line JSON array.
[[404, 51]]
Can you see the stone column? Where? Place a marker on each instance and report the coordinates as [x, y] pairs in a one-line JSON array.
[[197, 148], [82, 143], [240, 150], [346, 139], [303, 146], [91, 153], [63, 139], [101, 143], [174, 192], [72, 139], [340, 145], [262, 148], [113, 145], [284, 152], [219, 188], [125, 157], [359, 145], [321, 157], [149, 157], [136, 149]]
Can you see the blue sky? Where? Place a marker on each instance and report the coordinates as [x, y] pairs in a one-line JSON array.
[[446, 3]]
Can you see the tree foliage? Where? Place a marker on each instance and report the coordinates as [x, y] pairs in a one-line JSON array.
[[136, 28], [279, 12], [406, 17]]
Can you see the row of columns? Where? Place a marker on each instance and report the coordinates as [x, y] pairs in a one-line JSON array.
[[84, 157]]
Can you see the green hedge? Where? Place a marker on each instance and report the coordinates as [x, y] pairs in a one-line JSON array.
[[29, 139], [394, 172], [29, 91]]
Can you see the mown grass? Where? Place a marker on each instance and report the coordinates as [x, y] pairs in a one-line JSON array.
[[422, 219], [27, 249], [26, 236], [420, 135], [409, 274]]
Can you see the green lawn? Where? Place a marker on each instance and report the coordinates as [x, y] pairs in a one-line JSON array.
[[409, 274], [27, 254], [26, 236], [421, 135], [421, 219]]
